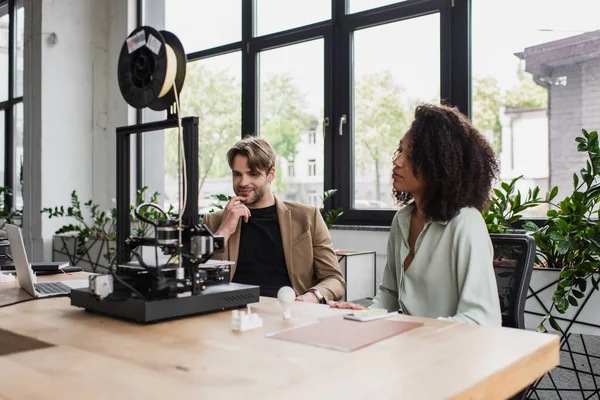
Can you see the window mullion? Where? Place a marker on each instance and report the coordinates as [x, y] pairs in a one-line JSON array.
[[341, 105], [249, 71], [9, 149]]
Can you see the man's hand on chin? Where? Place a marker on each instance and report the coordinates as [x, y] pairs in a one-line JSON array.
[[308, 298]]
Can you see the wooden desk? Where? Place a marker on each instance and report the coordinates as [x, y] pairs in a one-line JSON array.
[[93, 357]]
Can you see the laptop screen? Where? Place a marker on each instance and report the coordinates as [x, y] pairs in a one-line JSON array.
[[17, 248]]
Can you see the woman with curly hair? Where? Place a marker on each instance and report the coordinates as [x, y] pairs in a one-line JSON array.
[[439, 255]]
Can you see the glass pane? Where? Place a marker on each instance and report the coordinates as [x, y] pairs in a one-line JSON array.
[[551, 51], [291, 115], [18, 160], [392, 74], [278, 15], [362, 5], [202, 24], [19, 38], [212, 92], [2, 141], [4, 52]]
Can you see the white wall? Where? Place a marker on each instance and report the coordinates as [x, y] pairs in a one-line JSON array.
[[154, 142], [72, 106]]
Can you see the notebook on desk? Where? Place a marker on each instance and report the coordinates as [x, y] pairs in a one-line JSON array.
[[337, 333]]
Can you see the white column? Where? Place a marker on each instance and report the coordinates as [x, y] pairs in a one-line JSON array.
[[72, 106]]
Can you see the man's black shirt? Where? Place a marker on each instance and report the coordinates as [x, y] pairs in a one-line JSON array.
[[261, 260]]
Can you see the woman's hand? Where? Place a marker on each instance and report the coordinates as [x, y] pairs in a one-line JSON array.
[[346, 305]]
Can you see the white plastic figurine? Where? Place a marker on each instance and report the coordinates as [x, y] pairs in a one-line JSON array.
[[242, 321], [6, 277], [286, 296]]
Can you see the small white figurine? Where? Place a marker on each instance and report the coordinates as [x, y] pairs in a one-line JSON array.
[[6, 277], [242, 321], [286, 296]]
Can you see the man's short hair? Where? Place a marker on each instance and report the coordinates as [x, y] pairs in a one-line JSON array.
[[259, 152]]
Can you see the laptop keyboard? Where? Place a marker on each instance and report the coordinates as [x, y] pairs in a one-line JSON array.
[[52, 288]]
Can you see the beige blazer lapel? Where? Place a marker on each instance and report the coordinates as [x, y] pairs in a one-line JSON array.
[[285, 226], [234, 247]]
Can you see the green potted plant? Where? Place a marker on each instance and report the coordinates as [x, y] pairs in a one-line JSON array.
[[568, 240], [506, 208], [89, 241], [330, 216]]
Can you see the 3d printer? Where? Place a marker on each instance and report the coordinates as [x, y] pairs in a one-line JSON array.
[[151, 73]]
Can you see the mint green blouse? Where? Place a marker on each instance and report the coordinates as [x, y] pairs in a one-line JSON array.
[[451, 276]]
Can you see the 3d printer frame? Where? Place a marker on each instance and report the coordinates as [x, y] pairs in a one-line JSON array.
[[205, 299], [190, 145]]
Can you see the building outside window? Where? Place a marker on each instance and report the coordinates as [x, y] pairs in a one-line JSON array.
[[536, 86]]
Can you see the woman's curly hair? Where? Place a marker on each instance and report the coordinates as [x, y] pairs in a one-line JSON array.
[[453, 160]]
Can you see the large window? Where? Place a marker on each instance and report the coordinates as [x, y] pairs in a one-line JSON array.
[[387, 87], [212, 92], [330, 84], [291, 113], [536, 85], [362, 5], [279, 15], [11, 102], [202, 24]]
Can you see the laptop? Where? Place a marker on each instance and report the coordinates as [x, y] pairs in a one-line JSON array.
[[25, 273]]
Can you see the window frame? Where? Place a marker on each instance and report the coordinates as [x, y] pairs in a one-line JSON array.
[[9, 107], [455, 78]]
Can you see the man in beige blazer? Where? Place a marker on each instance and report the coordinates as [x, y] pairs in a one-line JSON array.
[[273, 243]]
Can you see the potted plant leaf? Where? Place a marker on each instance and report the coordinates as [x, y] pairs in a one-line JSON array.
[[504, 213], [89, 241], [569, 240]]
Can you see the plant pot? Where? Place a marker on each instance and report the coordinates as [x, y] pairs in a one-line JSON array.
[[93, 256], [578, 369], [582, 320]]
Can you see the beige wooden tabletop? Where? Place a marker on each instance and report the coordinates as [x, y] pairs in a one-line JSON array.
[[80, 355]]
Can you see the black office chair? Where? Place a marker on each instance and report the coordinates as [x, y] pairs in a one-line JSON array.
[[514, 255]]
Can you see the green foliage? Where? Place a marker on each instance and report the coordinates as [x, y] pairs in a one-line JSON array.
[[507, 206], [570, 238], [93, 223], [98, 225], [8, 214], [141, 228], [283, 120], [382, 117], [213, 96], [283, 116], [487, 100], [220, 198], [526, 93], [332, 215], [488, 97]]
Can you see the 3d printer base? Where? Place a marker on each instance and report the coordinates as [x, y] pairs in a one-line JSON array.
[[214, 298]]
